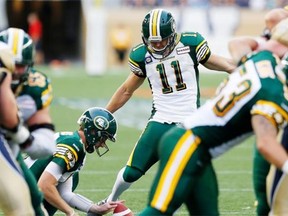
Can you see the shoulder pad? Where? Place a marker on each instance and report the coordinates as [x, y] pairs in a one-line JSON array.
[[191, 38], [138, 53], [137, 60]]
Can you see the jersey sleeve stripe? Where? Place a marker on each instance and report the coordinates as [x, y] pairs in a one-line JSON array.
[[202, 51], [65, 159], [277, 107], [270, 118], [70, 148], [134, 67], [47, 96], [273, 112], [133, 63]]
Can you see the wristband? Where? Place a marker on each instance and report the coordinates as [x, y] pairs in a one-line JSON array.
[[285, 167]]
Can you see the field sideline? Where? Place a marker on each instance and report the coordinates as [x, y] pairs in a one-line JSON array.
[[74, 91]]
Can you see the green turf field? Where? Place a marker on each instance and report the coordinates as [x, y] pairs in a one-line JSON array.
[[74, 91]]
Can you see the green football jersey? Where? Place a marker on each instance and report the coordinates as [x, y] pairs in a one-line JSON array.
[[70, 155], [174, 80], [34, 94], [255, 88]]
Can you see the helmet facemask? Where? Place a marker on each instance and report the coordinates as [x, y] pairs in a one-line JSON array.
[[95, 142], [159, 27]]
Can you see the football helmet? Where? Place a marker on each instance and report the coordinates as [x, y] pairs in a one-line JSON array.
[[159, 26], [22, 48], [280, 32], [21, 45], [98, 125]]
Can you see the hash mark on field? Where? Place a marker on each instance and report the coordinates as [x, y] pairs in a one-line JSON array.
[[144, 190], [222, 172]]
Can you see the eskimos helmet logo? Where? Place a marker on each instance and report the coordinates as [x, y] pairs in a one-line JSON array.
[[101, 123]]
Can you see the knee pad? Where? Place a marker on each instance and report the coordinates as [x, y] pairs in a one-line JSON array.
[[131, 174]]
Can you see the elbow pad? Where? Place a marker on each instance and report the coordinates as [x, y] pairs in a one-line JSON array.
[[20, 135], [43, 144]]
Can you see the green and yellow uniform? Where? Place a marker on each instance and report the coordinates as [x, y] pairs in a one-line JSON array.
[[185, 174], [70, 156], [174, 83]]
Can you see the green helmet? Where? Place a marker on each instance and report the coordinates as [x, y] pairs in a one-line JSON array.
[[21, 45], [98, 125], [159, 25]]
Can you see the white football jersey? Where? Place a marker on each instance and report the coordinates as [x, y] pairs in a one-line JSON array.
[[174, 80]]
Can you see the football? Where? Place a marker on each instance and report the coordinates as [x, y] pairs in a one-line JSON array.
[[122, 210]]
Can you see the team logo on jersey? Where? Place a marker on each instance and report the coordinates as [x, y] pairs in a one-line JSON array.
[[101, 122], [67, 153], [183, 50], [148, 60], [71, 159]]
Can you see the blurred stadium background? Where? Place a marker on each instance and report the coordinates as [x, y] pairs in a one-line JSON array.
[[80, 59], [81, 31]]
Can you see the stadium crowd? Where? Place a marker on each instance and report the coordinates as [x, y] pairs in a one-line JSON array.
[[252, 4]]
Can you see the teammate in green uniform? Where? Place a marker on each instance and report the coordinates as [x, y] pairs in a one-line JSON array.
[[252, 99], [238, 47], [14, 192], [169, 60], [277, 181], [55, 174], [33, 92], [260, 165]]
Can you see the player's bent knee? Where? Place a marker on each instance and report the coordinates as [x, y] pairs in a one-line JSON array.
[[131, 174]]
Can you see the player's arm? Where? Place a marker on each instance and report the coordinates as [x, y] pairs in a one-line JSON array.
[[8, 103], [240, 46], [47, 184], [124, 92], [267, 144], [219, 63], [9, 115], [42, 129], [274, 16], [82, 203], [9, 110]]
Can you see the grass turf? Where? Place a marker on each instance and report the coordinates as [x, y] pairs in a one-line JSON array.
[[74, 91]]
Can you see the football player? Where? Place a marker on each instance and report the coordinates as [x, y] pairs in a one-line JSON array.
[[169, 60], [14, 193], [33, 92], [252, 99], [272, 18], [237, 48], [260, 165], [56, 174]]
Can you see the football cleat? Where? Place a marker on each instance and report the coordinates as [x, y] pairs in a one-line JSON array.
[[102, 202]]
